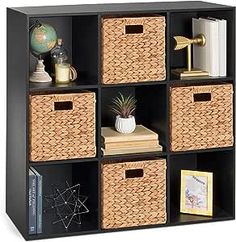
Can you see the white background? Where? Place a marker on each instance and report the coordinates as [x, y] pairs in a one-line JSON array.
[[219, 231]]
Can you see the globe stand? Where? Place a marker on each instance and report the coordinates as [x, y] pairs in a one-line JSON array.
[[40, 75]]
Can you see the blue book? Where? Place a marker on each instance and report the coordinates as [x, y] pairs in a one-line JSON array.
[[32, 203], [39, 196]]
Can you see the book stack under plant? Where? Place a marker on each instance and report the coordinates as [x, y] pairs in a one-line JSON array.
[[141, 140]]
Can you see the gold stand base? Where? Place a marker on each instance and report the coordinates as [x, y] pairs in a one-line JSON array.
[[182, 73]]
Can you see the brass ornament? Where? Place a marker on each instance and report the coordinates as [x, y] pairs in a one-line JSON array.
[[183, 42]]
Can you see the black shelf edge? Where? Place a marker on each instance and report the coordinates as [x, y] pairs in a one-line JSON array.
[[203, 221], [167, 224], [48, 236], [134, 84], [149, 226], [119, 7], [134, 155], [185, 219], [200, 80], [60, 162], [202, 150], [44, 87]]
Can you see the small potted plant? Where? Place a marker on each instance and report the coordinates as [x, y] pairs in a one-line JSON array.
[[124, 107]]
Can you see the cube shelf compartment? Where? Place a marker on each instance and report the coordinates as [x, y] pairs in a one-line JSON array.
[[222, 174], [70, 29], [85, 174], [151, 107], [181, 24], [80, 28]]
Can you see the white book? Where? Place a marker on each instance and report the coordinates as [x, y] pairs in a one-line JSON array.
[[208, 57], [199, 52], [222, 45]]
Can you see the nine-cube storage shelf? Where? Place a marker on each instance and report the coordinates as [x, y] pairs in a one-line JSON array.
[[80, 28]]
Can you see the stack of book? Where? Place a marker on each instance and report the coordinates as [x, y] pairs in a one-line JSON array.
[[141, 140], [212, 56], [35, 202]]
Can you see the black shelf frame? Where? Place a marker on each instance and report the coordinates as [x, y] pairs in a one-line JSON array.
[[19, 62]]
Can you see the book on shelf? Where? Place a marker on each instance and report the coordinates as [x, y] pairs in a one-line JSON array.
[[212, 56], [131, 144], [39, 200], [222, 45], [32, 203], [131, 150], [141, 133], [141, 140]]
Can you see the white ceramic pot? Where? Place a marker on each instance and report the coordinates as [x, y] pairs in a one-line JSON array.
[[125, 125]]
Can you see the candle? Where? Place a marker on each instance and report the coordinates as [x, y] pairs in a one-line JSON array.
[[62, 73]]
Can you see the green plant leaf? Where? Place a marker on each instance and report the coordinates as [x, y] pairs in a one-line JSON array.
[[123, 105]]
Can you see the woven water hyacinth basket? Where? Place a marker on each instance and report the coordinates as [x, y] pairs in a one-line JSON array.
[[133, 193], [201, 117], [133, 49], [62, 126]]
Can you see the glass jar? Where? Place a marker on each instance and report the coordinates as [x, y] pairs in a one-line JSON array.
[[59, 55], [62, 73]]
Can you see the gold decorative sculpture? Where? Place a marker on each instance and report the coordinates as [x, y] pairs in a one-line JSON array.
[[181, 43]]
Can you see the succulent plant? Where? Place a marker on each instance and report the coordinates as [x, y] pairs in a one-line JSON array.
[[123, 105]]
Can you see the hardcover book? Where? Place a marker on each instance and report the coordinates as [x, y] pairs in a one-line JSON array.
[[39, 182], [212, 56], [141, 140], [32, 203]]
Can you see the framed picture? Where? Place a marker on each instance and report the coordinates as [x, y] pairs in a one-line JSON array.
[[196, 192]]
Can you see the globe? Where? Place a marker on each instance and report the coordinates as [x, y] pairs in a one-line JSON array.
[[43, 38]]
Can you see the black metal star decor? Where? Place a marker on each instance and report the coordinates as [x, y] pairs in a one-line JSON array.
[[68, 204]]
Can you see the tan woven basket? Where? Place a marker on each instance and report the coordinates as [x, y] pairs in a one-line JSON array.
[[133, 49], [133, 193], [201, 117], [62, 126]]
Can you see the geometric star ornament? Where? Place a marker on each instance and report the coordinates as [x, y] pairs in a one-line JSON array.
[[68, 204]]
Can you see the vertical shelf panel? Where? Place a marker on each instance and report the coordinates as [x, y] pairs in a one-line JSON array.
[[168, 50], [85, 47], [17, 140]]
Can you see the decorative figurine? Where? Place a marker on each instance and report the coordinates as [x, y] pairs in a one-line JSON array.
[[43, 38], [181, 43], [68, 204]]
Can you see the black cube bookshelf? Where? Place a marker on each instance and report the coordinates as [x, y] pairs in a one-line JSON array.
[[80, 27]]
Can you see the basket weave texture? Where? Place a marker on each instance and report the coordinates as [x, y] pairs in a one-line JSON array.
[[136, 57], [62, 134], [201, 124], [135, 201]]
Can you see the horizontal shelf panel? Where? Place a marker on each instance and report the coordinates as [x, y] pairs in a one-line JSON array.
[[195, 219], [151, 83], [133, 156], [60, 162], [57, 235], [202, 151], [38, 87], [135, 227], [121, 8], [194, 80], [191, 219]]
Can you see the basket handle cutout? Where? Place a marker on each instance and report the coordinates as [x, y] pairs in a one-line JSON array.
[[202, 97], [65, 105], [134, 29], [134, 173]]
